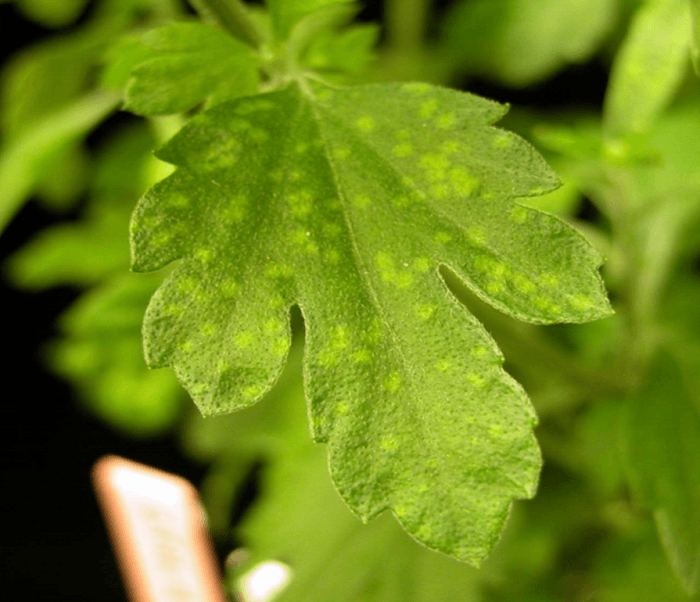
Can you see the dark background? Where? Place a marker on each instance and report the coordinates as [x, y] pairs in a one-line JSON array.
[[54, 543]]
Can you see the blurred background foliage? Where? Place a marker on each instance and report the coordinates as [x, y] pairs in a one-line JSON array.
[[605, 90]]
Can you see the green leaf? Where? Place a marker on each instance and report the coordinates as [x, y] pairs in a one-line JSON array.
[[520, 42], [648, 68], [52, 13], [345, 202], [662, 448], [695, 12], [286, 13], [21, 161], [86, 252], [100, 353], [187, 63]]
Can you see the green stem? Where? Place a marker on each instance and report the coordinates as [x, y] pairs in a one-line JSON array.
[[405, 23], [233, 16]]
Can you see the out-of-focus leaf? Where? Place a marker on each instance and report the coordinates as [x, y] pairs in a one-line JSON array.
[[519, 42], [661, 436], [695, 11], [21, 160], [101, 354], [648, 68], [286, 13], [185, 64], [52, 13], [84, 253], [630, 567]]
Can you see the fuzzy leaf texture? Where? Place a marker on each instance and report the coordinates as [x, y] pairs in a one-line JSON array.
[[345, 202]]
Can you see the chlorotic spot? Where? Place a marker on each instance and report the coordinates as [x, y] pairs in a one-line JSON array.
[[258, 135], [580, 302], [271, 327], [479, 351], [186, 346], [388, 443], [425, 312], [341, 153], [207, 329], [228, 287], [476, 380], [301, 148], [244, 339], [342, 409], [446, 121], [549, 280], [434, 165], [280, 346], [204, 255], [361, 201], [439, 191], [392, 382], [187, 284], [235, 211], [523, 284], [238, 125], [442, 238], [421, 264], [416, 88], [519, 215], [332, 256], [428, 108], [339, 338], [252, 391], [450, 146], [464, 183], [404, 149], [424, 532], [502, 140], [178, 201], [365, 124], [160, 239], [495, 287], [362, 356]]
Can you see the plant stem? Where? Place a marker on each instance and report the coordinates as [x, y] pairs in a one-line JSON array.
[[405, 23], [233, 16]]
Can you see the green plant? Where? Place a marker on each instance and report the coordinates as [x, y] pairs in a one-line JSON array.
[[416, 239]]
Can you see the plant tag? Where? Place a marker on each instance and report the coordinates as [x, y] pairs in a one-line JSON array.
[[158, 530]]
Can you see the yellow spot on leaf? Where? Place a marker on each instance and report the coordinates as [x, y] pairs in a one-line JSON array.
[[365, 124], [446, 121], [392, 382], [404, 149], [244, 339], [428, 108]]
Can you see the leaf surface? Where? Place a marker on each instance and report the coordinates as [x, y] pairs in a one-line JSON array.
[[662, 447], [186, 63], [345, 202]]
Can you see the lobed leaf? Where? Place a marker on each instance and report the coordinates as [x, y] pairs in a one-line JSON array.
[[345, 202], [186, 63]]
